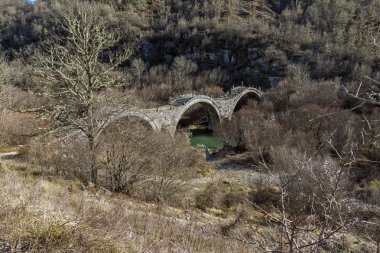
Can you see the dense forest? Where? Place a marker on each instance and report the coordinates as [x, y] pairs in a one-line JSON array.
[[299, 170]]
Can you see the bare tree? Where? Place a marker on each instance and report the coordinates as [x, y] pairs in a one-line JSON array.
[[372, 92], [173, 163], [311, 208], [4, 75], [126, 148], [370, 96], [78, 62]]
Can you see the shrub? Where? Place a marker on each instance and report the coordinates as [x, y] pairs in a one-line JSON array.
[[265, 197], [16, 128], [212, 91], [131, 159], [204, 200], [232, 199], [222, 195], [173, 162], [324, 94], [46, 234], [275, 54], [67, 157], [249, 128], [206, 171], [263, 194], [374, 188], [230, 133]]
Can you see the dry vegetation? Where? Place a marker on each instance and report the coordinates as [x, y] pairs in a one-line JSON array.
[[299, 171], [130, 158], [43, 214]]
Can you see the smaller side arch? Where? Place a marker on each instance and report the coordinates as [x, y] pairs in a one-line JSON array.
[[252, 92], [130, 114], [197, 100]]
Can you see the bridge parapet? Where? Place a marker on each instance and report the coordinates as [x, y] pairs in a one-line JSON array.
[[181, 100]]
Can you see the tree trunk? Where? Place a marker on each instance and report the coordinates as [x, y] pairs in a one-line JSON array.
[[93, 168]]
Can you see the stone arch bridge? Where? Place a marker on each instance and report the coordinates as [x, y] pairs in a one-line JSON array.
[[167, 117]]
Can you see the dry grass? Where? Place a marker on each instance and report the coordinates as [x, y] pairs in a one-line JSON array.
[[43, 213], [53, 215]]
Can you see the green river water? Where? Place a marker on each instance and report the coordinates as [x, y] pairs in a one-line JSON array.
[[206, 139]]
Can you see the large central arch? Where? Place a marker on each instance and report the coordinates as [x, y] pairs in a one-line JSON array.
[[205, 102]]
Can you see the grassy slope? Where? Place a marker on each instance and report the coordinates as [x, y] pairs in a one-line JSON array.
[[44, 214], [55, 215]]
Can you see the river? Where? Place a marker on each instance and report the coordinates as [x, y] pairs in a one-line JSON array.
[[205, 138]]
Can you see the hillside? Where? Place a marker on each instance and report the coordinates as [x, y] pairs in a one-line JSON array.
[[190, 126]]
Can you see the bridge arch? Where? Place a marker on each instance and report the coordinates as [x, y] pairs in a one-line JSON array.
[[241, 97], [131, 114], [206, 102]]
